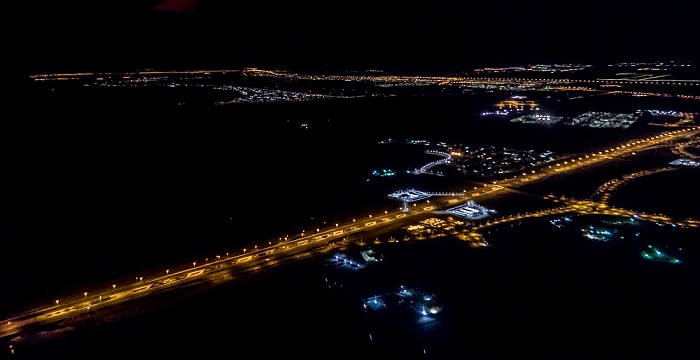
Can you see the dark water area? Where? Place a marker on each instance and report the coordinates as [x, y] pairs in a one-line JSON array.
[[537, 291], [99, 188]]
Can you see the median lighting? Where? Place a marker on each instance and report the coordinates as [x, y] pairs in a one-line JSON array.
[[56, 302], [115, 286], [194, 263]]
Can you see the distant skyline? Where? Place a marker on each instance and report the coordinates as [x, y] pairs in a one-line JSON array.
[[75, 35]]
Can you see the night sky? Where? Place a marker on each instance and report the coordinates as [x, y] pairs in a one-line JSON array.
[[103, 35]]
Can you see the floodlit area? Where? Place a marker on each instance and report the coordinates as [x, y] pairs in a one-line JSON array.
[[471, 211], [601, 119], [540, 119], [406, 298], [598, 234], [409, 195], [352, 262], [653, 253], [685, 162], [384, 173], [560, 222]]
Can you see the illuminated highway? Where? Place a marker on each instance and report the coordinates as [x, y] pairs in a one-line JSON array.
[[229, 265], [576, 162]]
